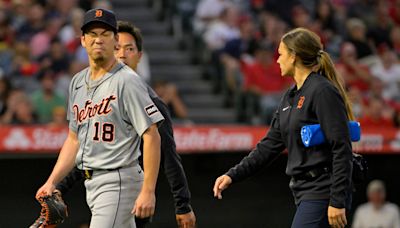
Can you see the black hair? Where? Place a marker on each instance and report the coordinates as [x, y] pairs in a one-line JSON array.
[[125, 26]]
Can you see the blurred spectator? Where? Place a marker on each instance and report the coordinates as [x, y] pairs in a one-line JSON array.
[[143, 67], [356, 30], [325, 17], [330, 26], [357, 101], [362, 9], [281, 8], [223, 29], [169, 94], [32, 20], [60, 9], [19, 10], [379, 33], [40, 42], [388, 71], [20, 110], [46, 99], [396, 118], [394, 11], [63, 80], [244, 44], [208, 11], [377, 114], [5, 89], [24, 113], [59, 117], [215, 38], [353, 73], [6, 39], [377, 212], [237, 50], [22, 63], [263, 82], [56, 58], [375, 90], [301, 17], [341, 7], [85, 4], [70, 34], [272, 28], [7, 35], [395, 40], [103, 4]]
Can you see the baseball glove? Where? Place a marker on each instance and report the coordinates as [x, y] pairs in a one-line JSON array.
[[53, 212]]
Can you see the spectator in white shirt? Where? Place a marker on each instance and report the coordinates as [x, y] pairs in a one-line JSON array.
[[377, 212], [388, 71]]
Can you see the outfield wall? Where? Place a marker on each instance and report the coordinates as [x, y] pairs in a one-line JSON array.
[[260, 201], [22, 140]]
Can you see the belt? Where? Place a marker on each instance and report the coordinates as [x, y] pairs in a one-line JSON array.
[[312, 174], [88, 173]]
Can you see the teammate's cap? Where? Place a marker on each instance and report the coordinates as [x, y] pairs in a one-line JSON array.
[[100, 15]]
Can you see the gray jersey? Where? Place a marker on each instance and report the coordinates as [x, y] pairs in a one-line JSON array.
[[109, 116]]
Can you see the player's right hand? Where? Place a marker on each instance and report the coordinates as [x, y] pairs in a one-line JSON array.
[[187, 220], [46, 190], [337, 217], [221, 183], [145, 205]]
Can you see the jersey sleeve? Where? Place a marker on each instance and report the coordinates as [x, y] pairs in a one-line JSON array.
[[138, 106], [70, 111], [331, 113], [171, 162], [264, 153]]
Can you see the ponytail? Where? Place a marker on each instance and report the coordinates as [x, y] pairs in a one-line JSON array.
[[327, 69], [308, 47]]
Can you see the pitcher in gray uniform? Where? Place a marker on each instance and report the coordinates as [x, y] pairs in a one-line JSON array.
[[109, 111]]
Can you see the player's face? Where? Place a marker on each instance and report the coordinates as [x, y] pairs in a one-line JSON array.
[[285, 60], [99, 42], [127, 51]]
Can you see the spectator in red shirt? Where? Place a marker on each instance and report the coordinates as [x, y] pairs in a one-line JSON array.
[[395, 39], [354, 73], [377, 114], [263, 81], [394, 11]]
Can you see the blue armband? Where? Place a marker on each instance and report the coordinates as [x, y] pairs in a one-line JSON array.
[[312, 135]]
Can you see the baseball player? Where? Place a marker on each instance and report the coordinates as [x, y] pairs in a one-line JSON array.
[[109, 112], [129, 50]]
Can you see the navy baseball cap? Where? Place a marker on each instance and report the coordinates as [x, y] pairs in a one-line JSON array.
[[100, 15]]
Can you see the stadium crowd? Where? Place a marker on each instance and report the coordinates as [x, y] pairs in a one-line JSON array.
[[240, 40], [40, 51], [235, 40]]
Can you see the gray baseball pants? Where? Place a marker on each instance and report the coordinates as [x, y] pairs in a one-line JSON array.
[[111, 196]]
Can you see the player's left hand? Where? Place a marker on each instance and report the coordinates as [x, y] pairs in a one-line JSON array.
[[187, 220], [145, 205], [337, 217]]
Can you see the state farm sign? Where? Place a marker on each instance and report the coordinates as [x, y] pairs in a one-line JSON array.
[[35, 139], [222, 138], [189, 139]]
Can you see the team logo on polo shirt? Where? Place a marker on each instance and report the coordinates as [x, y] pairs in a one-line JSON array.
[[151, 109], [300, 102]]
